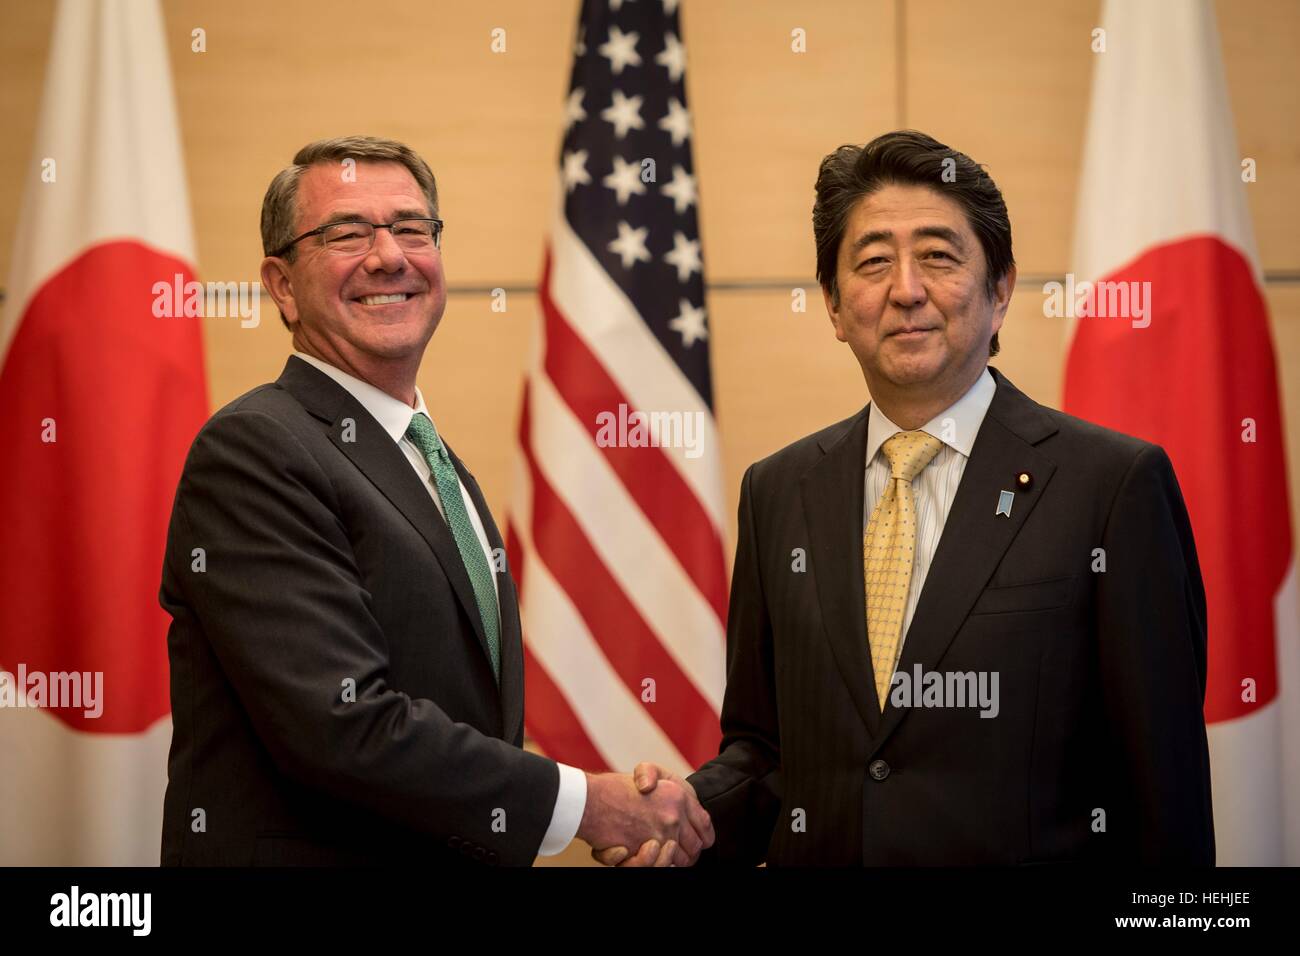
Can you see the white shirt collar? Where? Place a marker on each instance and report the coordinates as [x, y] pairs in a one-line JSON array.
[[393, 415], [964, 416]]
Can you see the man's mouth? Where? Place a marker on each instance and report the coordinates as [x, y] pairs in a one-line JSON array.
[[386, 299], [911, 333]]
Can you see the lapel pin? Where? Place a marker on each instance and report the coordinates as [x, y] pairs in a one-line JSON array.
[[1005, 498], [1024, 480]]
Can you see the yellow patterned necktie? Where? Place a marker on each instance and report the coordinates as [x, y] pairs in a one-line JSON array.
[[888, 548]]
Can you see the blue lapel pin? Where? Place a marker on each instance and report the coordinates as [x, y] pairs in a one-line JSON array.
[[1005, 500]]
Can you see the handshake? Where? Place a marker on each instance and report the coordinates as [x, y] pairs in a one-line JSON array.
[[648, 818]]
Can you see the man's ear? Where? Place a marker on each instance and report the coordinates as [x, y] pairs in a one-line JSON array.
[[276, 281], [832, 300], [1002, 297]]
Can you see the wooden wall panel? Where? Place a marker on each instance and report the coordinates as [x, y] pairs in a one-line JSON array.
[[1261, 39], [1007, 83], [765, 116]]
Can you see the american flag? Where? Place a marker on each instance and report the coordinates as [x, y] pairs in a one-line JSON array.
[[617, 546]]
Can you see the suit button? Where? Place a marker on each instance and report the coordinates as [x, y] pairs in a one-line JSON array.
[[878, 769], [480, 853], [492, 857], [454, 843]]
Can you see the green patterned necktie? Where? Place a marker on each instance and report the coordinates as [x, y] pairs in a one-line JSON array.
[[425, 437]]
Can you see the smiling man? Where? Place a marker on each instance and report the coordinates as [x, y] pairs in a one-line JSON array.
[[995, 653], [347, 679]]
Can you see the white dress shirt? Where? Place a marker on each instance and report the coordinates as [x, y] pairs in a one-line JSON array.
[[935, 487], [394, 416]]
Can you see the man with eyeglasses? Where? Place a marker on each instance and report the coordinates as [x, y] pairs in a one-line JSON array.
[[347, 678]]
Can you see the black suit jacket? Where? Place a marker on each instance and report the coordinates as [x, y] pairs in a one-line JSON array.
[[325, 565], [1098, 751]]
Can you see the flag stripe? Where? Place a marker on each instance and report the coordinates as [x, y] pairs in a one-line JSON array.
[[632, 649], [658, 489], [553, 724], [612, 718], [615, 335], [619, 536], [549, 718]]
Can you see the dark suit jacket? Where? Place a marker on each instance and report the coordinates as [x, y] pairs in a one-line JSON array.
[[1101, 674], [327, 565]]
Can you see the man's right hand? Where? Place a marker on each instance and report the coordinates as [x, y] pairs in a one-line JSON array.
[[649, 778], [656, 808]]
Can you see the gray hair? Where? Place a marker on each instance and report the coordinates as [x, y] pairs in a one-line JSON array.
[[279, 206]]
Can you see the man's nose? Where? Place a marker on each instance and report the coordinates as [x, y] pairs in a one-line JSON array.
[[385, 255], [907, 289]]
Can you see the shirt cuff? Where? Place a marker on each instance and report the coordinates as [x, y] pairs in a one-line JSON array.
[[570, 803]]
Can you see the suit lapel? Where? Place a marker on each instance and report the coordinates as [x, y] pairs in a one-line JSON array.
[[375, 454], [832, 492], [974, 536]]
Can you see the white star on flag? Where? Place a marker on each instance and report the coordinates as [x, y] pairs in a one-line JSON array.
[[690, 323], [575, 170], [620, 50], [624, 114], [630, 245], [673, 57], [685, 257], [625, 180], [681, 190], [573, 111], [677, 122]]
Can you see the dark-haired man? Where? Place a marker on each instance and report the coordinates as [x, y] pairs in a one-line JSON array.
[[996, 652]]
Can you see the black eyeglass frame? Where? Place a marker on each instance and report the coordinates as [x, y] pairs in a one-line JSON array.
[[437, 231]]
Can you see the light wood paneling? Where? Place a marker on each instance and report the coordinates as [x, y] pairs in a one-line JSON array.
[[1261, 40], [24, 49], [765, 116], [1007, 83]]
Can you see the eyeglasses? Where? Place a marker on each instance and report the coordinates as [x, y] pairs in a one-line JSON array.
[[358, 238]]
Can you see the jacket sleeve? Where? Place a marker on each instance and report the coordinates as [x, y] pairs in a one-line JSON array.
[[1151, 633], [741, 787], [288, 617]]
